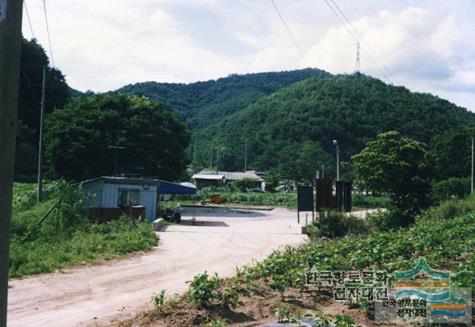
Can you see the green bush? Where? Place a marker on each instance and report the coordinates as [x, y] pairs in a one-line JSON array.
[[448, 209], [393, 218], [158, 300], [336, 224], [450, 188], [370, 201], [67, 237], [203, 288]]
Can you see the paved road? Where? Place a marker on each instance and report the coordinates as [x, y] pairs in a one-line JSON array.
[[115, 290]]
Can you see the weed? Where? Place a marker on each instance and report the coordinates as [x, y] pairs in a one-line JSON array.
[[158, 300], [217, 323], [203, 288], [282, 313], [230, 297]]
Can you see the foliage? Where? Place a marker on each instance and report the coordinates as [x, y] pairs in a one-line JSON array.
[[248, 198], [158, 300], [33, 59], [398, 166], [370, 201], [79, 135], [451, 152], [336, 224], [440, 241], [203, 288], [450, 209], [229, 297], [66, 237], [282, 313], [245, 184], [351, 109], [457, 187], [217, 323], [204, 103]]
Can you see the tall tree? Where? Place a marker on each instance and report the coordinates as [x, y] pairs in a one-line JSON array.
[[79, 135], [33, 59], [452, 154], [398, 166]]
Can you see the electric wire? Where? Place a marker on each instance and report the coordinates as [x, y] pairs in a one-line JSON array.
[[48, 33], [294, 41], [28, 19]]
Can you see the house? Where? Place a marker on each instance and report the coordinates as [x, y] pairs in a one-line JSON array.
[[207, 178], [109, 197]]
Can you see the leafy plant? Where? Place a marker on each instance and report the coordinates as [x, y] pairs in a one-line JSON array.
[[202, 289], [229, 297], [217, 323], [158, 300], [344, 321], [282, 313]]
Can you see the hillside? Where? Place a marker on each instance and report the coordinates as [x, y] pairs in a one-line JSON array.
[[203, 103], [291, 131]]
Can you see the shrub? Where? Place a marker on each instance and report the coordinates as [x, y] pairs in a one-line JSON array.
[[158, 300], [452, 187], [229, 298], [245, 184], [203, 288], [390, 219], [448, 209], [370, 201], [336, 224]]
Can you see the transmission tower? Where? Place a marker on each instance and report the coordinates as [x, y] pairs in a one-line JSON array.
[[357, 68]]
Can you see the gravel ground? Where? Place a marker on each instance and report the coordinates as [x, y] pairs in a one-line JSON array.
[[99, 294]]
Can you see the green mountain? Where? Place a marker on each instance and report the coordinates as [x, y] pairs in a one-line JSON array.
[[203, 103], [290, 132]]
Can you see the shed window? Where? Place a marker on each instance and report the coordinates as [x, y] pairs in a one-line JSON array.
[[129, 197]]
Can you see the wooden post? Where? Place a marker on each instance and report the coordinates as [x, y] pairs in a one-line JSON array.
[[10, 47]]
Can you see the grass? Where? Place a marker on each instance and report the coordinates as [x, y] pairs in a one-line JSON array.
[[67, 237]]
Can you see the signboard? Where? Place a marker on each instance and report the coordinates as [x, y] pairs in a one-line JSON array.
[[3, 10], [305, 198]]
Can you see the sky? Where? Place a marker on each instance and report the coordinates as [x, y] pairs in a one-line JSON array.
[[426, 46]]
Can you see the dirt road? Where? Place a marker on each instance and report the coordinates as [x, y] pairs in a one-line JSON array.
[[99, 294]]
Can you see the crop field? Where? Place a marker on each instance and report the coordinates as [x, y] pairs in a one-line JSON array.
[[444, 235], [66, 237]]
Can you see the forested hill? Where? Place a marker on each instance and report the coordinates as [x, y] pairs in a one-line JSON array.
[[203, 103], [292, 130]]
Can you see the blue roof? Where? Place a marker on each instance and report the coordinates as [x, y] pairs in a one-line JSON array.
[[172, 188]]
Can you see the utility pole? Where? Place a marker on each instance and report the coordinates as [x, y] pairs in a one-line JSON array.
[[323, 171], [10, 46], [357, 68], [217, 160], [471, 188], [245, 156], [39, 193], [335, 143]]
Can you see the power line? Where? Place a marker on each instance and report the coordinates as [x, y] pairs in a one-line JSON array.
[[288, 31], [340, 15], [28, 18], [358, 34], [48, 33]]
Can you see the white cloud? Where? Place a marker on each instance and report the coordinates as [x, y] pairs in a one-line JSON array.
[[416, 47]]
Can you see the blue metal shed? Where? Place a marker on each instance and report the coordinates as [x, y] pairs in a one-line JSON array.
[[113, 192]]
